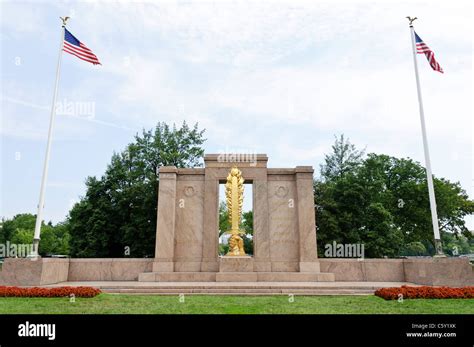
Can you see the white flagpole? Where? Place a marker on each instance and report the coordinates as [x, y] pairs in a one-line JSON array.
[[39, 215], [429, 175]]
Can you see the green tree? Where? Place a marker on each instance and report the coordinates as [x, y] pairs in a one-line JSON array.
[[246, 225], [11, 226], [224, 225], [247, 222], [402, 189], [20, 230], [416, 248], [382, 201], [347, 212], [117, 215], [456, 244], [345, 157]]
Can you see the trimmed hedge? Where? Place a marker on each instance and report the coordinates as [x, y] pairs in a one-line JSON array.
[[425, 292], [54, 292]]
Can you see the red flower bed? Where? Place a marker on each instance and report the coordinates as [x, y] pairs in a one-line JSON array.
[[55, 292], [426, 292]]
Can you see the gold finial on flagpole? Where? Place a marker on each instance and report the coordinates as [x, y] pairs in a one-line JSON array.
[[411, 20], [65, 19]]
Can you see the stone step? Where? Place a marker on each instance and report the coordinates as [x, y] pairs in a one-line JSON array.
[[236, 277], [236, 288], [236, 285], [177, 277], [295, 277], [240, 291]]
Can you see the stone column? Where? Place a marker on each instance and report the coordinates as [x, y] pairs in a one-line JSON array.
[[306, 219], [261, 233], [210, 235], [165, 227]]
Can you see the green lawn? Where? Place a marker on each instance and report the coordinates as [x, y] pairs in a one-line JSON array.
[[112, 303]]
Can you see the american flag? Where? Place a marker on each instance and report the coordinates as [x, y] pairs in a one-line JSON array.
[[422, 48], [75, 47]]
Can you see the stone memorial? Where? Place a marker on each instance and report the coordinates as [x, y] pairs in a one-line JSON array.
[[284, 224], [187, 246]]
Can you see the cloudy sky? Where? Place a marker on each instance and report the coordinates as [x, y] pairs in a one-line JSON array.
[[275, 77]]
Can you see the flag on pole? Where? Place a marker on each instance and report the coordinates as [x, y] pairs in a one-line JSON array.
[[75, 47], [422, 48], [418, 46]]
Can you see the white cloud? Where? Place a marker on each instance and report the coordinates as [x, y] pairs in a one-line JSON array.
[[280, 77]]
